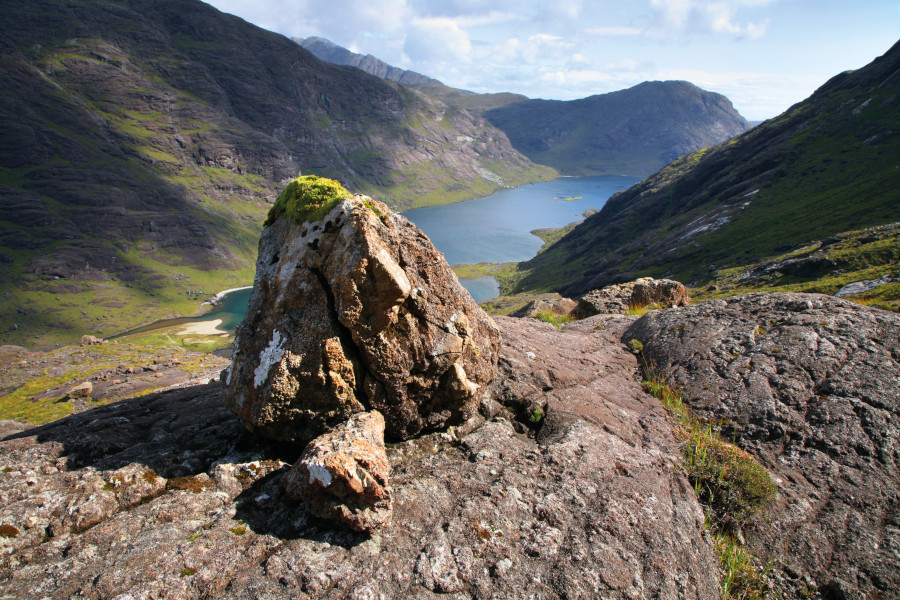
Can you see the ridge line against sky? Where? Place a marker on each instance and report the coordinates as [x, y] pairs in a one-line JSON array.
[[764, 55]]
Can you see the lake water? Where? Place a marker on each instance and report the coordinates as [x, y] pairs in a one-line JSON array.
[[230, 308], [492, 229], [496, 228]]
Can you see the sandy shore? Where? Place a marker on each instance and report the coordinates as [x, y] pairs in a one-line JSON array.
[[221, 294], [203, 328]]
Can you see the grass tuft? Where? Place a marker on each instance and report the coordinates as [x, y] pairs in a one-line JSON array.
[[639, 310], [741, 579], [727, 481], [554, 319]]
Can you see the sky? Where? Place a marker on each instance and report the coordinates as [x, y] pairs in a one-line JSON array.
[[764, 55]]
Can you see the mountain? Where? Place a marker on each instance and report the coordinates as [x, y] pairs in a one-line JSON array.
[[330, 52], [477, 103], [143, 143], [826, 166], [629, 132]]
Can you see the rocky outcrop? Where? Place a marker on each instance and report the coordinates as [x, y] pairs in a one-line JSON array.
[[619, 297], [556, 306], [343, 474], [665, 293], [808, 384], [611, 299], [165, 495], [357, 311]]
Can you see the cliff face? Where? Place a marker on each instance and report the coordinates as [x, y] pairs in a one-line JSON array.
[[629, 132], [827, 165], [144, 141]]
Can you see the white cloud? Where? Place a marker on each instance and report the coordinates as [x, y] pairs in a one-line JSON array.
[[697, 17], [436, 40], [614, 31]]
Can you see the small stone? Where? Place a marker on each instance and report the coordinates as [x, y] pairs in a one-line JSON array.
[[82, 390], [343, 475]]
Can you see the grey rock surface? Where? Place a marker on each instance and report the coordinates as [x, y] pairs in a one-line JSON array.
[[811, 387], [355, 312], [167, 495]]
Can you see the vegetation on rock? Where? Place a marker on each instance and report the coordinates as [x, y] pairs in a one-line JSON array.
[[307, 198], [732, 486]]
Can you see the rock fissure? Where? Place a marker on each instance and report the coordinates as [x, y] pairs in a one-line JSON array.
[[346, 338]]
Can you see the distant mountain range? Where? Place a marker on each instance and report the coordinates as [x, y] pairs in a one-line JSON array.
[[143, 143], [779, 192], [629, 132]]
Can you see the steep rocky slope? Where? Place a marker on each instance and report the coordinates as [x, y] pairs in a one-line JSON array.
[[144, 141], [629, 132], [827, 165]]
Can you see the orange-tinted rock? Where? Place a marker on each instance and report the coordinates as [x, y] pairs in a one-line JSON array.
[[343, 474]]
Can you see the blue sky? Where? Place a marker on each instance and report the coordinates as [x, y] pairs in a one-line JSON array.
[[765, 55]]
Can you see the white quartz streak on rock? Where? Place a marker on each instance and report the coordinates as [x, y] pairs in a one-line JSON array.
[[270, 356], [319, 472]]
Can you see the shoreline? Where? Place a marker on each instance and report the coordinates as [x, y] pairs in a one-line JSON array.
[[215, 299]]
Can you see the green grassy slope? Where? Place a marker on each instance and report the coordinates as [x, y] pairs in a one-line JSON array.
[[830, 164], [143, 143]]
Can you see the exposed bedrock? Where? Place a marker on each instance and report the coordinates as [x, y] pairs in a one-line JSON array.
[[810, 385]]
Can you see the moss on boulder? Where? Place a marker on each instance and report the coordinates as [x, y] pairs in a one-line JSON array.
[[307, 198]]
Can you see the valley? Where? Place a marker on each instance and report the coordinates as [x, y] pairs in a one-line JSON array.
[[280, 319]]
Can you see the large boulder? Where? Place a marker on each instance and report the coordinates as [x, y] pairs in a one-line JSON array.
[[555, 306], [612, 299], [664, 292], [808, 384], [353, 309]]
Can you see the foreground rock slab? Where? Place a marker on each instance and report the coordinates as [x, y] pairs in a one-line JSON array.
[[166, 496], [343, 474], [811, 387], [357, 311]]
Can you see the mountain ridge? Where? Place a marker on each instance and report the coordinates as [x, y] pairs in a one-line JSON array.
[[627, 132], [330, 52]]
